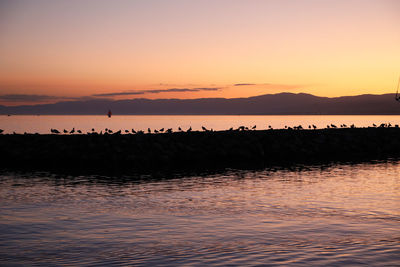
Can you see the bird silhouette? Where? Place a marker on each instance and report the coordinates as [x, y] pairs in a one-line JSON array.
[[180, 129], [190, 129], [65, 131], [126, 131], [79, 131], [155, 131], [133, 131], [1, 131], [204, 128], [72, 131], [148, 130], [254, 127], [169, 130], [161, 130]]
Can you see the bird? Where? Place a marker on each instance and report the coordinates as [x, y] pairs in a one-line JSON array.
[[65, 131], [180, 129], [204, 128], [55, 131], [169, 130], [133, 131], [126, 131], [148, 130], [161, 130], [92, 129], [374, 124], [309, 126], [254, 127], [72, 131], [231, 129], [333, 126], [155, 131], [190, 129], [110, 131], [314, 127], [1, 131], [79, 131], [118, 132]]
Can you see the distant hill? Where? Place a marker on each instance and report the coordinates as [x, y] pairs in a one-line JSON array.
[[270, 104]]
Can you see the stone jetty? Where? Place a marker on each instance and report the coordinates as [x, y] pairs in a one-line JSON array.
[[199, 151]]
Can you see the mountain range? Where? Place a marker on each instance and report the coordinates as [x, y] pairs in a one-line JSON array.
[[269, 104]]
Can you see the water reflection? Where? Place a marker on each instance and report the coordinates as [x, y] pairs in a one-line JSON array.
[[334, 215], [43, 124]]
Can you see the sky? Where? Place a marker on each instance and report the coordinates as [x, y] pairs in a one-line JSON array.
[[53, 50]]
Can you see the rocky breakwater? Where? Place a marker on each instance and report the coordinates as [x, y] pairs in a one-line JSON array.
[[182, 151]]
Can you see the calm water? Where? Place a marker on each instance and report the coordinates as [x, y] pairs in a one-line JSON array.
[[336, 216], [42, 124]]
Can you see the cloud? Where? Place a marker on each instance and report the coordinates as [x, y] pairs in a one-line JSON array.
[[27, 98], [244, 84], [275, 86], [158, 91], [40, 98]]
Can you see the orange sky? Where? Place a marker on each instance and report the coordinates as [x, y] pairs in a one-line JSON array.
[[61, 50]]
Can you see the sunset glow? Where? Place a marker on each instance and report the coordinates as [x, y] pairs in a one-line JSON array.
[[65, 50]]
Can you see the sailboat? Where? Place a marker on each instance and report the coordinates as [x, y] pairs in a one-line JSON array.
[[397, 92], [109, 113]]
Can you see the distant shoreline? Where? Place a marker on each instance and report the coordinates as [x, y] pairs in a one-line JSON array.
[[201, 151], [115, 115], [268, 104]]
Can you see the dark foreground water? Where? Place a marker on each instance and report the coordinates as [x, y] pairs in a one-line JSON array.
[[336, 216]]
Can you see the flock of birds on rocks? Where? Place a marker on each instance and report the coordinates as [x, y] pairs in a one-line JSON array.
[[170, 130], [204, 129]]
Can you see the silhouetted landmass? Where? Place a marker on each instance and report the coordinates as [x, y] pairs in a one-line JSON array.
[[202, 151], [271, 104]]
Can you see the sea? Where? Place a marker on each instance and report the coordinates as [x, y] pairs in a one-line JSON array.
[[345, 214], [43, 123]]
